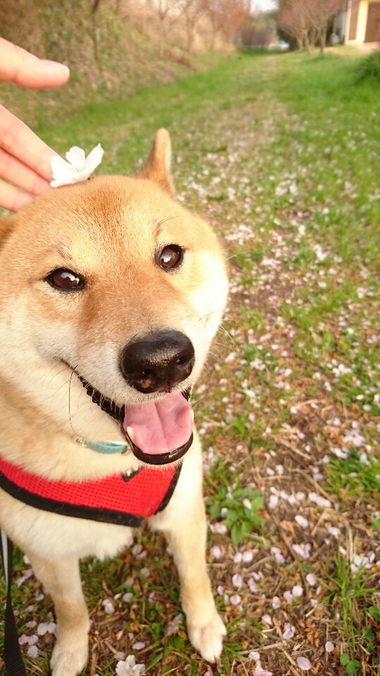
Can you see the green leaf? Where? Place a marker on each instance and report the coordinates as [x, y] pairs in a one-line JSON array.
[[214, 511], [374, 612], [232, 516], [246, 527], [256, 503], [230, 503], [236, 533], [368, 634], [344, 659]]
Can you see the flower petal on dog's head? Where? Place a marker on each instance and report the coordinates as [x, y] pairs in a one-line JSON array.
[[63, 172], [77, 157], [94, 158], [78, 168]]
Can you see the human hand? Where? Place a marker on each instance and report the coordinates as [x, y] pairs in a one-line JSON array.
[[24, 158]]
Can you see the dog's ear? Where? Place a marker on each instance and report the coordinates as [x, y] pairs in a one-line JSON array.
[[157, 166]]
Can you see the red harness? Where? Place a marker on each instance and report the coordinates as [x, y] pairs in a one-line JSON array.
[[120, 499]]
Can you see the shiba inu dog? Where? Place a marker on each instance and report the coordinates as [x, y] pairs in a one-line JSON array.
[[110, 295]]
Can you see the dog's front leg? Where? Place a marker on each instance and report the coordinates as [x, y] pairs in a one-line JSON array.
[[187, 542], [184, 524], [62, 580]]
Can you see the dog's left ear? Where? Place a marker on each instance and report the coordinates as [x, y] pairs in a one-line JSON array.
[[157, 166]]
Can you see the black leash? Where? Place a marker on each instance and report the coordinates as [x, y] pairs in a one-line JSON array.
[[14, 665]]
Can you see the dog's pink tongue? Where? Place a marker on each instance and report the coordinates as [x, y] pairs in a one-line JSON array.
[[160, 426]]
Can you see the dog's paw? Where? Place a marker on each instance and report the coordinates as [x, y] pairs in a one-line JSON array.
[[208, 638], [68, 662]]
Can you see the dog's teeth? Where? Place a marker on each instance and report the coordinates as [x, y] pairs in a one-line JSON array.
[[131, 435]]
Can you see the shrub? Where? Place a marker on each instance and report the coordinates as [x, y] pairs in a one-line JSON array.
[[369, 68]]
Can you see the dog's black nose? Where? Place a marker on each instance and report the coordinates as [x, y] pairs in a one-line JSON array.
[[158, 361]]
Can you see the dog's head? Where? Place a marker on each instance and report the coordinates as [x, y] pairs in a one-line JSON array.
[[111, 287]]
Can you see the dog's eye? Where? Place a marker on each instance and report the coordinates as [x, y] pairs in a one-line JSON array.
[[65, 280], [170, 257]]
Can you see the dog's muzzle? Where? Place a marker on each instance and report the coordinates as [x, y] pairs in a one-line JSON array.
[[160, 431]]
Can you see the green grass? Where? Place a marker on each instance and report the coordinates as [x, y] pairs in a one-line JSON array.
[[281, 153], [369, 69], [347, 590], [354, 475], [238, 507]]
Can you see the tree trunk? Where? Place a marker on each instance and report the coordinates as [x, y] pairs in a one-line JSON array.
[[307, 42], [161, 45], [322, 39], [190, 30], [312, 37], [94, 17]]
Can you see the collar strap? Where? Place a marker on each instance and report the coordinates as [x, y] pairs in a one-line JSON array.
[[106, 447], [120, 499]]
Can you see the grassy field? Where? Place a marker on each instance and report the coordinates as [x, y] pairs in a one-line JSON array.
[[282, 154]]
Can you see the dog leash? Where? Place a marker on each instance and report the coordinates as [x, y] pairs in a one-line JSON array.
[[12, 654]]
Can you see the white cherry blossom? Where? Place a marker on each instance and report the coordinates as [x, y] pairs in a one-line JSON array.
[[129, 667], [77, 168]]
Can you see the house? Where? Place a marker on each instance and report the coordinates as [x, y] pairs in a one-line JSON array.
[[359, 23]]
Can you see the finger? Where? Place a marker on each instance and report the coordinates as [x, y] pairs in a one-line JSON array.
[[12, 198], [20, 142], [26, 70], [22, 176]]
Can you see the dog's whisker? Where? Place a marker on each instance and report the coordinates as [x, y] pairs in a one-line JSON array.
[[228, 334], [208, 314], [70, 413]]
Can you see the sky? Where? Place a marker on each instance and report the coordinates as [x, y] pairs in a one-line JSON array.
[[264, 5]]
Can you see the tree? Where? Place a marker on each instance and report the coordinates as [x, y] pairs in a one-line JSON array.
[[307, 20], [259, 30], [228, 16], [293, 20], [320, 13], [94, 22], [191, 14], [168, 13]]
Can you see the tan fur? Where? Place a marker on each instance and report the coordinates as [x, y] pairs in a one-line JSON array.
[[108, 230]]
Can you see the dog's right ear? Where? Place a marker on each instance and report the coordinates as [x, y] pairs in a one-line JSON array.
[[157, 166]]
